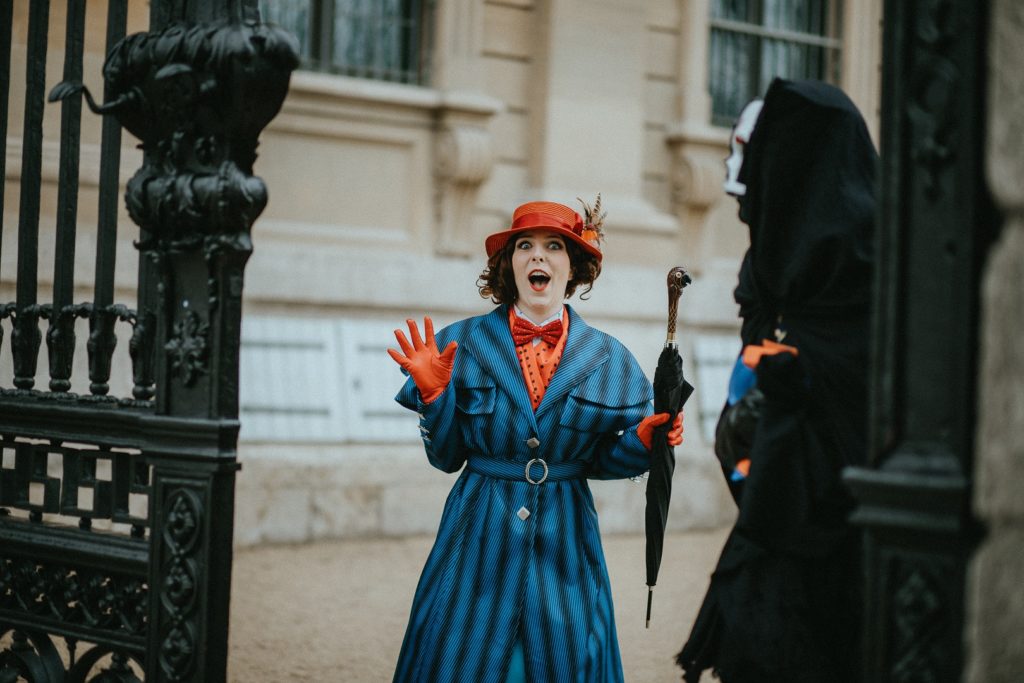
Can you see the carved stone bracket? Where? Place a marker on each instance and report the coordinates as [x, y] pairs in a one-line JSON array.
[[464, 155], [697, 180], [464, 159], [696, 176]]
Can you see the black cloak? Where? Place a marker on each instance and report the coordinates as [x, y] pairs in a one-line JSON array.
[[783, 604]]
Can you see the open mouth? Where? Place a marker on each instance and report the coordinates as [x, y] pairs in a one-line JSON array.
[[538, 280]]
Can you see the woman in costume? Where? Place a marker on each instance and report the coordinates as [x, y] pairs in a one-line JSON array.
[[529, 402], [783, 602]]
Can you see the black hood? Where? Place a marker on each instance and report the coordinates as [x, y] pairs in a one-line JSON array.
[[809, 168]]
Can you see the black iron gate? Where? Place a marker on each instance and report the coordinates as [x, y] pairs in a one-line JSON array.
[[936, 226], [116, 512]]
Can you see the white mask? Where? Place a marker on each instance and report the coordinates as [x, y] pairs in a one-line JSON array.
[[741, 133]]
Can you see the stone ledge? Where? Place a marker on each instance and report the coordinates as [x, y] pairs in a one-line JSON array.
[[300, 498]]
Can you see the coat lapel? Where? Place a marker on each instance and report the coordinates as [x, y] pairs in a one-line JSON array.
[[491, 346], [584, 352]]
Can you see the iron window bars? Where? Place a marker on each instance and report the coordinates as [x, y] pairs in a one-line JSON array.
[[386, 40], [754, 41]]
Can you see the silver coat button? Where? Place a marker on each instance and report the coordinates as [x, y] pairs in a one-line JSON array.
[[533, 442]]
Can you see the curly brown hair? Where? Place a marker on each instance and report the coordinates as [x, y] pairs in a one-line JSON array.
[[498, 283]]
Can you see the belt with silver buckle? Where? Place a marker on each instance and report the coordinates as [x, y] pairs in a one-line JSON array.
[[518, 471]]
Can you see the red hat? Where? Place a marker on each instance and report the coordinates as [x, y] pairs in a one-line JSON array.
[[557, 218]]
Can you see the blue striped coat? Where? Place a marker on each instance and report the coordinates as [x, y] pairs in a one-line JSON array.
[[493, 578]]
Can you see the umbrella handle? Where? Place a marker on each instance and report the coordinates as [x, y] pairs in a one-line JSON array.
[[677, 279]]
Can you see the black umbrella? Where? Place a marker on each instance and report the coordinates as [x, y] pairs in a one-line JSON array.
[[670, 393]]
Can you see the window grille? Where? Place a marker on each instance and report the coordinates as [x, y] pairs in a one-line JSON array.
[[385, 40], [754, 41]]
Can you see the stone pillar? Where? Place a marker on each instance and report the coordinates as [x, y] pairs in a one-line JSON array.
[[995, 616], [463, 150], [698, 149], [588, 104], [712, 237], [860, 60]]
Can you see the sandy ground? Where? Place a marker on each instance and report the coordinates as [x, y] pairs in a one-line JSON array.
[[337, 611]]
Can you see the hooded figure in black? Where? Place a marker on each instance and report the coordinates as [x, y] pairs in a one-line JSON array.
[[783, 604]]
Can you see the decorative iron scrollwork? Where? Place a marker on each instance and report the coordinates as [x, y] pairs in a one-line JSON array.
[[188, 348], [140, 349], [6, 311], [117, 672], [74, 595], [182, 523], [102, 342], [197, 97], [25, 341], [33, 656], [919, 616], [30, 656], [60, 340], [182, 532], [934, 87], [177, 651]]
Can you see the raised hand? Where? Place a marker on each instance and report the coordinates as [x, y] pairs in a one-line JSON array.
[[430, 370]]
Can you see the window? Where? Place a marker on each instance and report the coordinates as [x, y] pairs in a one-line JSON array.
[[386, 40], [753, 41]]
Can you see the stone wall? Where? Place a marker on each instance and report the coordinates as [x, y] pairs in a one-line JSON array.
[[995, 592]]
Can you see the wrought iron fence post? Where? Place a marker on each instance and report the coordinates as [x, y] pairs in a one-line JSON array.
[[197, 89], [935, 228]]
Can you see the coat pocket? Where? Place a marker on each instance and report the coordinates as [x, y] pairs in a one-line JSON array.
[[587, 416], [587, 410], [475, 400], [474, 389]]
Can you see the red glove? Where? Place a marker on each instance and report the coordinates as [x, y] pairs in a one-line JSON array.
[[645, 430], [753, 353], [430, 370]]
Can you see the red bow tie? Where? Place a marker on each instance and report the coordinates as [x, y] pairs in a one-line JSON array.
[[524, 331]]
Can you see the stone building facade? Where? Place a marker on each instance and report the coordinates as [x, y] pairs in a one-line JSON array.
[[995, 595], [381, 194]]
